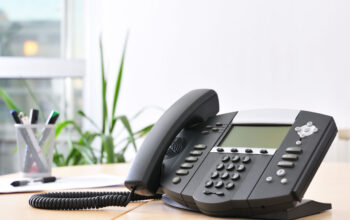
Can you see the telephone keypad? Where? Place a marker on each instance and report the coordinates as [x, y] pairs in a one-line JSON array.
[[220, 166], [224, 175], [240, 168], [225, 158], [219, 184], [230, 167]]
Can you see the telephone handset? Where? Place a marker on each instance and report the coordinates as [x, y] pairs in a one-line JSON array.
[[255, 163], [195, 107]]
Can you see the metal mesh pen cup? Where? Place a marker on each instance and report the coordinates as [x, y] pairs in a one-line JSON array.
[[35, 143]]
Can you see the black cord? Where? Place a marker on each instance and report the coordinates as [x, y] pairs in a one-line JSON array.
[[84, 200]]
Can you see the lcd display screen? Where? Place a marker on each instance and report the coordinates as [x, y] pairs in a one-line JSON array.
[[255, 136]]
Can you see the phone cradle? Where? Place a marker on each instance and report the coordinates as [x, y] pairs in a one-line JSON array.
[[302, 209]]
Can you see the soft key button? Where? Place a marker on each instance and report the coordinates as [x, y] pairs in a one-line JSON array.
[[196, 153], [290, 157]]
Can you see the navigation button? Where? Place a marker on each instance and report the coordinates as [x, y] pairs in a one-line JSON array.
[[296, 150], [215, 129], [285, 164], [290, 157]]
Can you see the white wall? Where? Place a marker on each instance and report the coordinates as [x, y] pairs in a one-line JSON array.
[[255, 54]]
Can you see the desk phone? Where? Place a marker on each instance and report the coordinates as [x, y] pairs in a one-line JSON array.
[[255, 163]]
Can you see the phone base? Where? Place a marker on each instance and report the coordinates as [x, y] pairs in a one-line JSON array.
[[301, 209]]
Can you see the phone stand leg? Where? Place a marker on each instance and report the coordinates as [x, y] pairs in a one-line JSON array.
[[301, 209]]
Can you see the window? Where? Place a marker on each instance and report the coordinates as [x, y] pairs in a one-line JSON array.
[[39, 55]]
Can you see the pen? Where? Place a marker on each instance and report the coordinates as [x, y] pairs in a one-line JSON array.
[[48, 179], [15, 117], [33, 119], [53, 117]]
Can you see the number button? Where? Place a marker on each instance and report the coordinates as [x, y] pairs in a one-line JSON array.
[[220, 166], [214, 175]]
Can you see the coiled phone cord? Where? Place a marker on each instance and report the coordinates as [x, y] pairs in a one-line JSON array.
[[84, 200]]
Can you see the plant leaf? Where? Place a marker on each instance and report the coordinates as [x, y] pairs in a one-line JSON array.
[[142, 132], [108, 146], [118, 83], [82, 113], [60, 126], [8, 101], [126, 124], [104, 90]]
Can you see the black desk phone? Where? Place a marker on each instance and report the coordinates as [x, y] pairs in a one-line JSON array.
[[255, 163]]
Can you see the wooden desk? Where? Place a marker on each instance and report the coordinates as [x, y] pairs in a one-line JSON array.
[[331, 184]]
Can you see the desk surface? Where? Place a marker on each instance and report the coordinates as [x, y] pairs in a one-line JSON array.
[[331, 184]]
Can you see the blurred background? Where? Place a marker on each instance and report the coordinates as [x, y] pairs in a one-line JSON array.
[[255, 54]]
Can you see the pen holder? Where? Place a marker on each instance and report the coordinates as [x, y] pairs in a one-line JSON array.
[[35, 144]]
